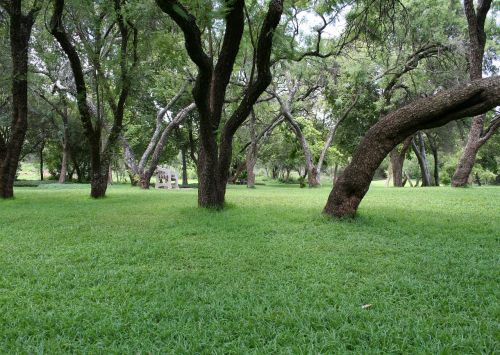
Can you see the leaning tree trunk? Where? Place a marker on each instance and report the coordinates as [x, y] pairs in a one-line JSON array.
[[470, 99], [468, 159], [147, 173], [312, 171], [397, 157], [10, 149]]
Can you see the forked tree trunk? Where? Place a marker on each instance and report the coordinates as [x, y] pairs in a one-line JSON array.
[[10, 149], [476, 18], [470, 99], [215, 151], [311, 170]]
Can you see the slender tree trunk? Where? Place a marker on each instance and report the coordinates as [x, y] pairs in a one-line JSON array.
[[472, 99], [331, 136], [312, 171], [10, 149], [252, 153], [434, 149], [64, 164], [42, 146], [419, 150], [185, 182], [468, 159]]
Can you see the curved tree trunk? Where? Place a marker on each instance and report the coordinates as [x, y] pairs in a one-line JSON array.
[[10, 147], [468, 159], [471, 99], [100, 155], [311, 170], [147, 173]]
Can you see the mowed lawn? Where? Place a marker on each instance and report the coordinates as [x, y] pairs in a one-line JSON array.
[[148, 272]]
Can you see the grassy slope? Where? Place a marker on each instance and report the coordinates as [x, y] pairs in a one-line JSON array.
[[147, 271]]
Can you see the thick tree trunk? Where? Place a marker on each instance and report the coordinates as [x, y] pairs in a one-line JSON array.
[[397, 157], [10, 149], [471, 99], [215, 152], [100, 175], [420, 153]]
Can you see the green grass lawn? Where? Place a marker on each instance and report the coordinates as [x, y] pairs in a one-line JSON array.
[[148, 272]]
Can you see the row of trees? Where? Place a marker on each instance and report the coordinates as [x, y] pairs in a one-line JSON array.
[[109, 85]]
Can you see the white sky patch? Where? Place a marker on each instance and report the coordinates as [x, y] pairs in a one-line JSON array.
[[309, 21]]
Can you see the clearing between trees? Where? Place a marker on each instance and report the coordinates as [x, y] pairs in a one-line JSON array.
[[146, 271]]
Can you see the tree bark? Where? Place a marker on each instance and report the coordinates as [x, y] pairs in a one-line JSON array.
[[214, 157], [40, 151], [311, 171], [147, 173], [185, 182], [434, 149], [252, 153], [100, 155], [10, 147], [397, 157], [420, 153], [477, 40], [470, 99]]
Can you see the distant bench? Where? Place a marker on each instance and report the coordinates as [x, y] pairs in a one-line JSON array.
[[166, 178]]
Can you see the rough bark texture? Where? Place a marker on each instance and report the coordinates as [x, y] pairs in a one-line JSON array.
[[397, 157], [477, 40], [214, 157], [434, 149], [470, 99], [10, 147]]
